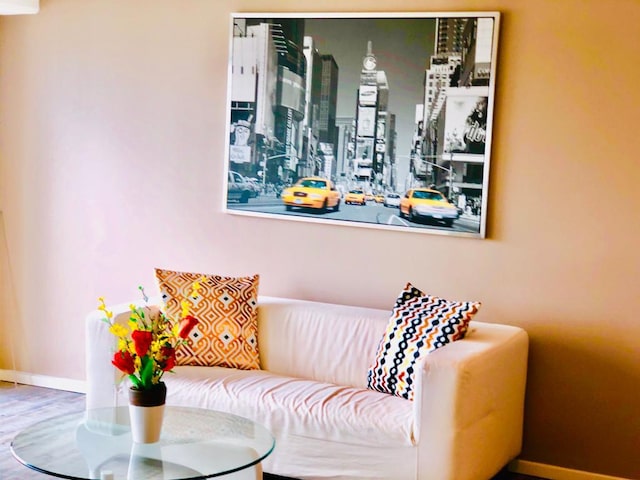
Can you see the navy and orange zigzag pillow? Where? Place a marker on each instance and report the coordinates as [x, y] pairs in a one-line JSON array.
[[419, 324]]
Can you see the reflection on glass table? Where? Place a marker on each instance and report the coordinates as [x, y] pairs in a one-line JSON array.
[[195, 444]]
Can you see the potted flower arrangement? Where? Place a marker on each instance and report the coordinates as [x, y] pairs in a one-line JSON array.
[[146, 349]]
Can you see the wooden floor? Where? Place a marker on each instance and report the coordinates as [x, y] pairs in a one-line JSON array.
[[23, 405]]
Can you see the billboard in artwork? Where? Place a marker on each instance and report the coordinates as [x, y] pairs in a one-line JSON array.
[[366, 121], [291, 89], [367, 95], [465, 130], [241, 136]]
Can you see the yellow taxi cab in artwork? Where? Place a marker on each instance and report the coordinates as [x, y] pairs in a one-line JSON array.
[[312, 192], [355, 195], [424, 203]]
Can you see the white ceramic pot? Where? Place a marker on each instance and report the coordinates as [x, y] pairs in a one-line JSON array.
[[146, 423], [146, 413]]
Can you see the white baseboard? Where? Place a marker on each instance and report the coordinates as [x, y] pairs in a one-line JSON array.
[[46, 381], [553, 472]]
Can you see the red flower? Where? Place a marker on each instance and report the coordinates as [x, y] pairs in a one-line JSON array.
[[186, 325], [142, 341], [169, 364], [168, 358], [124, 361]]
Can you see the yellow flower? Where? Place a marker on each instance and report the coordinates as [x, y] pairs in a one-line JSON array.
[[123, 345], [185, 307], [195, 288], [118, 330], [102, 307]]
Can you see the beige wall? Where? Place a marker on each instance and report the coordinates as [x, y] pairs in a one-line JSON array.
[[112, 132]]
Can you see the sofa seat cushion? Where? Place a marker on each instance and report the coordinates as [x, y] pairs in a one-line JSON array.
[[294, 406]]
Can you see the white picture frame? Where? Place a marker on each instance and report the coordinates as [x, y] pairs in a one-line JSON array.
[[393, 104]]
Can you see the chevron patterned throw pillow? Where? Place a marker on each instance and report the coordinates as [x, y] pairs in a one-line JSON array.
[[419, 324]]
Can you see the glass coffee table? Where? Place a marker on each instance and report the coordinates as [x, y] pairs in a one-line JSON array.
[[195, 444]]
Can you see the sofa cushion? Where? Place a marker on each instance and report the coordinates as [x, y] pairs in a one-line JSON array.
[[227, 334], [288, 333], [294, 406], [419, 324]]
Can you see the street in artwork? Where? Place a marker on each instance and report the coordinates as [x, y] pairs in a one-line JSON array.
[[371, 213]]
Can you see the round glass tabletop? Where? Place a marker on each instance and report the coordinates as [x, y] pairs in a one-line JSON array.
[[195, 444]]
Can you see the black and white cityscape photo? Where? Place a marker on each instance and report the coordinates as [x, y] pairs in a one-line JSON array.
[[381, 120]]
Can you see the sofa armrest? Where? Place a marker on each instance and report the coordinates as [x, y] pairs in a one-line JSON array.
[[470, 399], [102, 377]]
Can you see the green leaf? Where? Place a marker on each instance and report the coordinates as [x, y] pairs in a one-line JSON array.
[[135, 381], [146, 371]]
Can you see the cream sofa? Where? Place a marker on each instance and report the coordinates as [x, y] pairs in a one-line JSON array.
[[465, 422]]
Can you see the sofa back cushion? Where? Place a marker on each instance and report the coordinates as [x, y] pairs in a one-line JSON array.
[[319, 341]]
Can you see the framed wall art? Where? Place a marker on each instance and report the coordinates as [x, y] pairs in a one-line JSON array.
[[371, 120]]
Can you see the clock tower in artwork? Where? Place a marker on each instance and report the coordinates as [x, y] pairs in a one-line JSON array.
[[372, 161], [369, 61]]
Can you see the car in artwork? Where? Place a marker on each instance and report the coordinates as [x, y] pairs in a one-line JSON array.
[[312, 193], [239, 189], [254, 185], [427, 204], [391, 199], [355, 196]]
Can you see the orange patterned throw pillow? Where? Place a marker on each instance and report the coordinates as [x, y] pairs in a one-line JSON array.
[[227, 307]]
